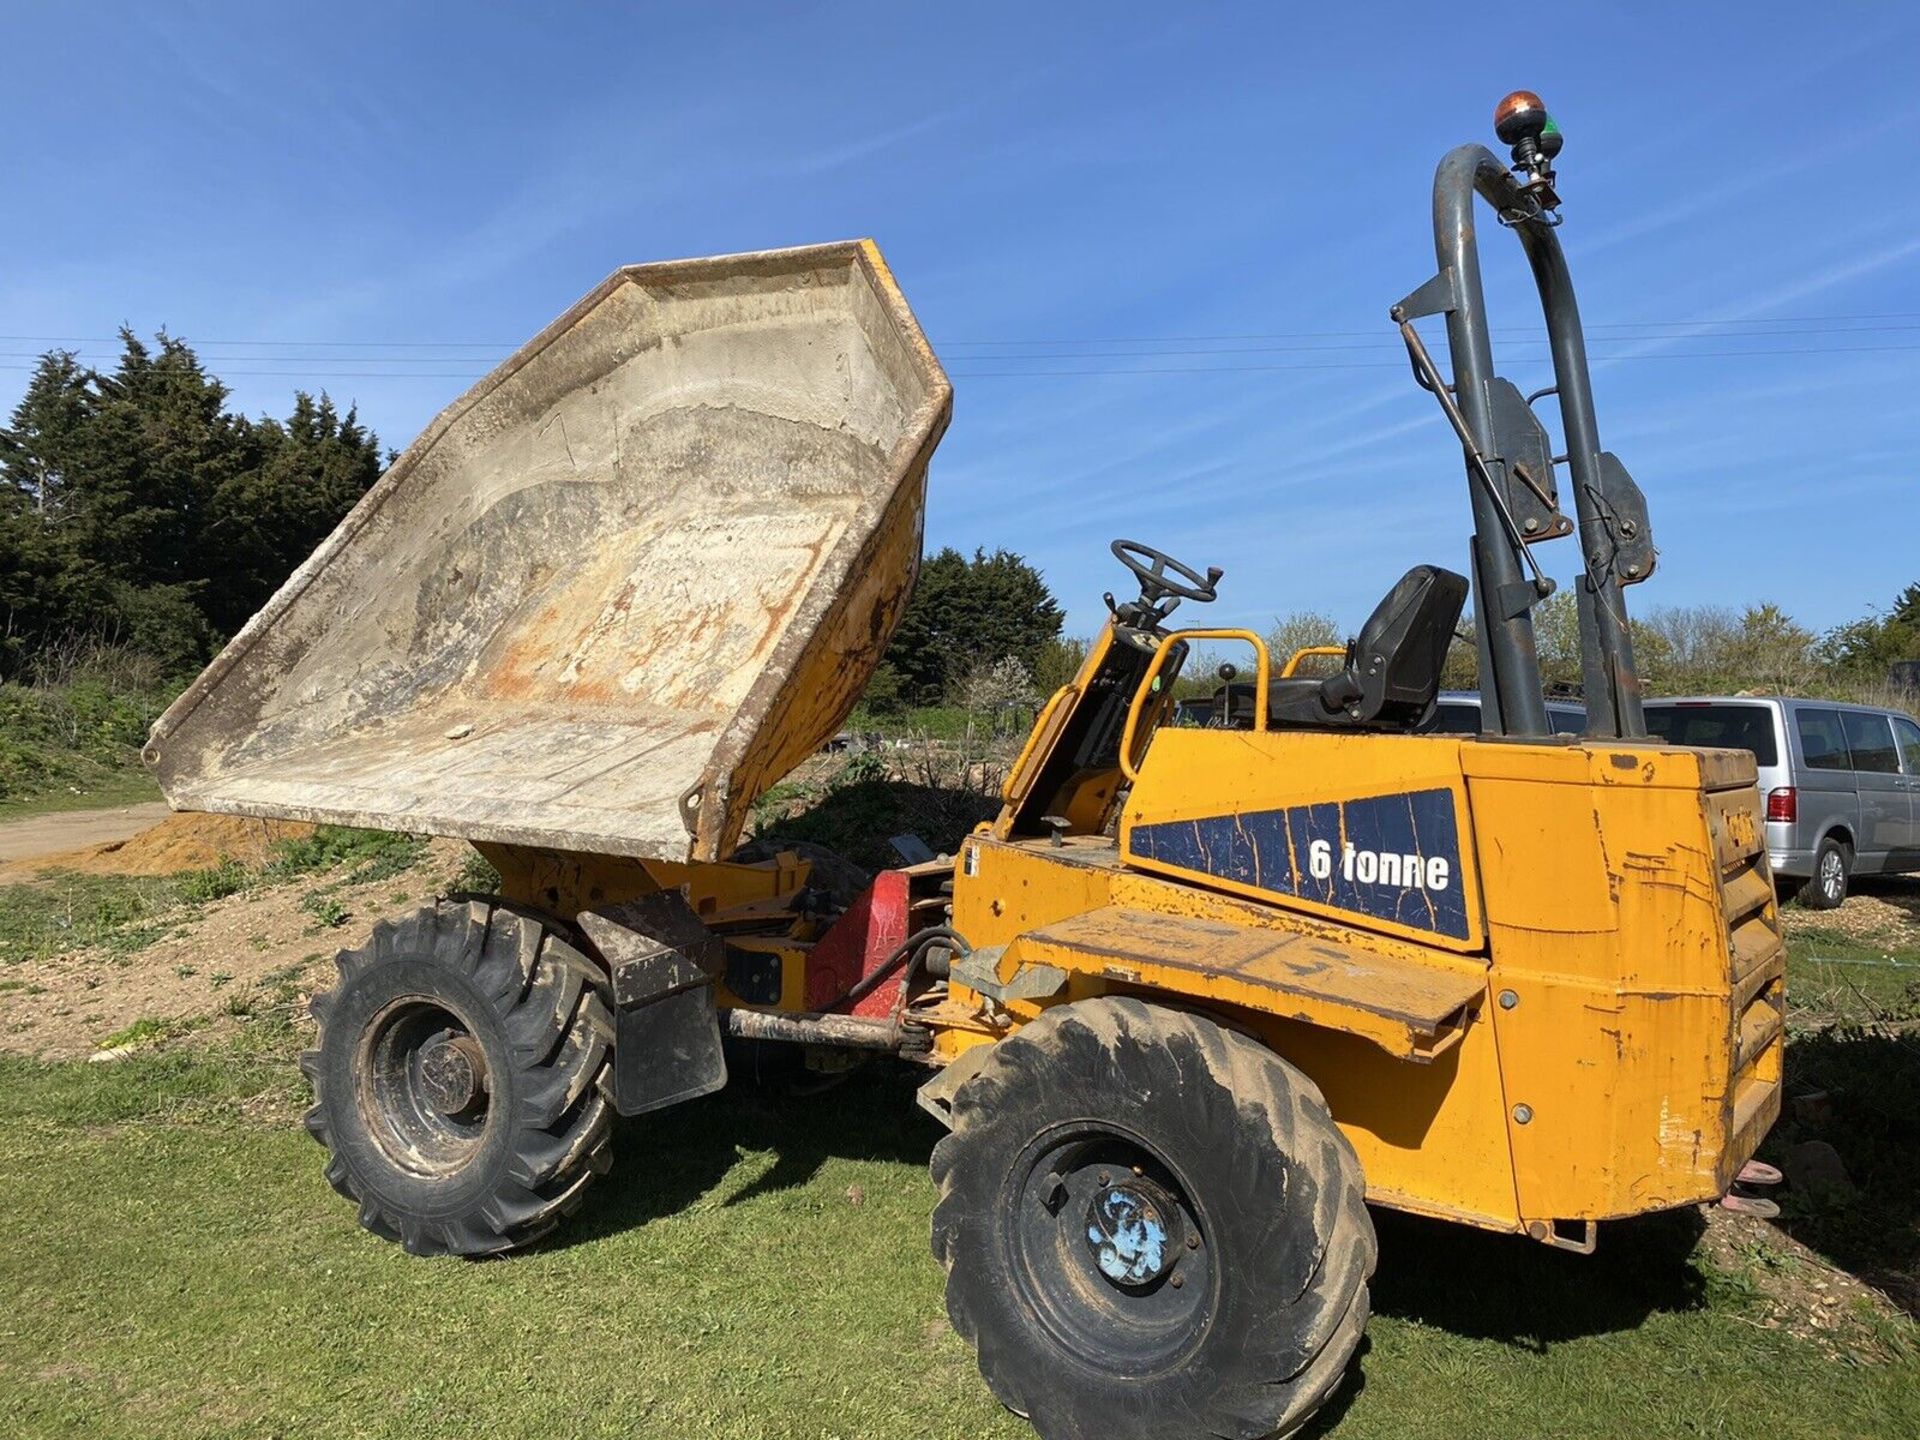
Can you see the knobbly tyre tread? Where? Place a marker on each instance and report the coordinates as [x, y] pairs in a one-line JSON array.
[[550, 1004], [1099, 1049]]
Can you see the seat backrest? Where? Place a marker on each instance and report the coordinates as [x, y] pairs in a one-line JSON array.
[[1402, 648], [1392, 674]]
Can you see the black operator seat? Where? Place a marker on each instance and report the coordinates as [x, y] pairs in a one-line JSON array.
[[1392, 674]]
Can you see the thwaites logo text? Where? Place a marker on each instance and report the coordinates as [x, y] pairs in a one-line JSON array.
[[1391, 857]]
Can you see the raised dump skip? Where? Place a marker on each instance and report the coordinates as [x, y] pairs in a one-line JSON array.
[[615, 591]]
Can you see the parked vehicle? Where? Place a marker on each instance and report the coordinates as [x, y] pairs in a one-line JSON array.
[[1194, 714], [1457, 712], [1842, 782], [1229, 707]]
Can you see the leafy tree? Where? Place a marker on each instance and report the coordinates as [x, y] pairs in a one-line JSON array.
[[135, 508], [46, 582], [1712, 648], [1060, 660], [1461, 669], [1770, 651], [963, 613], [1865, 648], [39, 447], [1002, 690], [33, 600], [1299, 631], [1556, 637], [310, 472]]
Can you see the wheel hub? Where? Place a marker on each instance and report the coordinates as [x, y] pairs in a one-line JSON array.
[[1134, 1231], [453, 1073]]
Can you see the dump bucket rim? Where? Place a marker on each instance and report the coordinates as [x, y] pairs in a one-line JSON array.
[[906, 459]]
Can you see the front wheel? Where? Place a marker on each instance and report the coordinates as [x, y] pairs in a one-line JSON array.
[[1151, 1228], [461, 1081]]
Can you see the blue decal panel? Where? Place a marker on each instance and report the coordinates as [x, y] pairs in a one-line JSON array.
[[1391, 857]]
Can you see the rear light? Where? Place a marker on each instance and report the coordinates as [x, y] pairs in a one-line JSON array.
[[1783, 804]]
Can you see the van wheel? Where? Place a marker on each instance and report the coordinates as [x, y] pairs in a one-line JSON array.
[[1152, 1229], [1827, 887]]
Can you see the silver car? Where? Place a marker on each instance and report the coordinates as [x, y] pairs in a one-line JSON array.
[[1457, 712], [1841, 782]]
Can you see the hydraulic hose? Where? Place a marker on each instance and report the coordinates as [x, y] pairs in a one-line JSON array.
[[907, 950]]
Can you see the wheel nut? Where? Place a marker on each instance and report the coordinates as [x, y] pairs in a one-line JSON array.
[[1193, 1241], [1178, 1280]]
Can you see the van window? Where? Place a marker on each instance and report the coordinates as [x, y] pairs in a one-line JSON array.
[[1726, 727], [1870, 738], [1821, 739], [1456, 717], [1566, 722], [1908, 734]]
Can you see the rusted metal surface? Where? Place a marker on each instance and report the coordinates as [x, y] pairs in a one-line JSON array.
[[613, 592], [810, 1029], [1413, 1011]]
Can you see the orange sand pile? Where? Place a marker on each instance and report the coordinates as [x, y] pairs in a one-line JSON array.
[[179, 842]]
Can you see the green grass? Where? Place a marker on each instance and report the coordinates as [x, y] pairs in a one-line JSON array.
[[1853, 1032], [148, 1030], [120, 914], [84, 786], [1844, 979], [936, 722], [74, 746], [326, 910], [176, 1266], [117, 914], [373, 854]]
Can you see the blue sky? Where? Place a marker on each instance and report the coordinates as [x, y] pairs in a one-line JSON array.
[[1064, 192]]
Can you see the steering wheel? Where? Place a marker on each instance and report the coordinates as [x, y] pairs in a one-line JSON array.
[[1151, 567]]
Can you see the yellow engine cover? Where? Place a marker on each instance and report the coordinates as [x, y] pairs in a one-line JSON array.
[[1608, 904]]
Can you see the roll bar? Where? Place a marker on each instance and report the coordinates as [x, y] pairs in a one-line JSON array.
[[1514, 501]]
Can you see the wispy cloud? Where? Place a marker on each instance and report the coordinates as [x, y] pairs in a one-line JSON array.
[[1847, 271], [1746, 180]]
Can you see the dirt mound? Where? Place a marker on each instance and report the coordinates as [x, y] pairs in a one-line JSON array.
[[218, 965], [177, 843]]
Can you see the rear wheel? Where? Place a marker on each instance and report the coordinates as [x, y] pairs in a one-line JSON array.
[[461, 1083], [1827, 886], [1151, 1227]]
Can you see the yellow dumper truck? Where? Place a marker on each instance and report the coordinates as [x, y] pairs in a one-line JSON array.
[[1195, 998]]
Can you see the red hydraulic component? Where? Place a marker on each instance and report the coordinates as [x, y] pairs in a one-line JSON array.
[[855, 946]]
